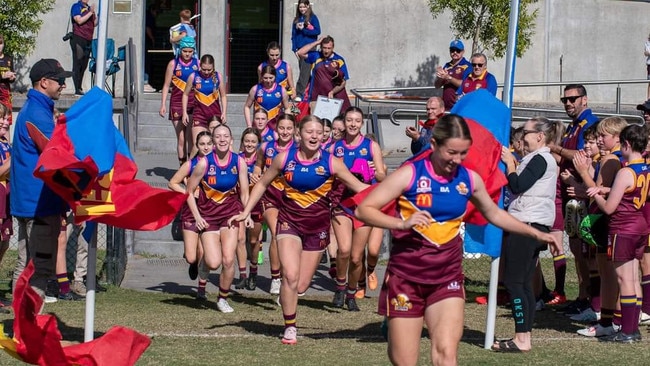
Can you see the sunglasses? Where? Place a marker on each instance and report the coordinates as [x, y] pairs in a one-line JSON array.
[[61, 81], [570, 99], [455, 50], [477, 65], [526, 132]]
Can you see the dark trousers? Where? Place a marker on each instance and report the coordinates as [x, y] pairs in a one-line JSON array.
[[520, 254], [303, 78], [80, 55]]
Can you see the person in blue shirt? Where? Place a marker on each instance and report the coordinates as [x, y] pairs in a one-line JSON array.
[[305, 30], [479, 78], [34, 205]]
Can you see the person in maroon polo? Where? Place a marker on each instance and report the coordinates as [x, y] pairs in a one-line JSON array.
[[84, 21], [449, 76]]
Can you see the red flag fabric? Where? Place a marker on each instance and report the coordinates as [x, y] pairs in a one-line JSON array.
[[88, 163], [37, 339]]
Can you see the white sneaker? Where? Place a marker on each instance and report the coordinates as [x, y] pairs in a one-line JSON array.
[[290, 336], [224, 307], [275, 286], [587, 315], [539, 305], [598, 330], [644, 318], [50, 299], [148, 88], [277, 301]]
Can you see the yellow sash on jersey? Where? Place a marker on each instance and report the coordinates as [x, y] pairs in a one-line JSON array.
[[436, 233]]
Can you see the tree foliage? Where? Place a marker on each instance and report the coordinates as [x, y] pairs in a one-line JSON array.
[[485, 22], [20, 21]]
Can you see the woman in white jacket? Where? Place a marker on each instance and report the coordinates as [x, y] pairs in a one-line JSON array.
[[532, 183]]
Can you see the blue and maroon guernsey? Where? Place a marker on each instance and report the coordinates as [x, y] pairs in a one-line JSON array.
[[281, 72], [206, 97], [218, 195], [305, 202], [431, 254], [629, 218], [349, 153], [268, 135], [180, 74], [273, 193], [186, 213], [270, 100]]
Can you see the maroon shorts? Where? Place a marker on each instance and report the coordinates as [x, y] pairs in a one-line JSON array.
[[311, 242], [176, 105], [401, 298], [199, 123], [623, 248], [272, 198], [216, 224]]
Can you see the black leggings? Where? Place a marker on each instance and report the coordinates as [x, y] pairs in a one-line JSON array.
[[80, 56], [520, 254]]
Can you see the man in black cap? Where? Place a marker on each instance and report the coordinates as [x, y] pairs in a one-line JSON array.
[[36, 207], [645, 108]]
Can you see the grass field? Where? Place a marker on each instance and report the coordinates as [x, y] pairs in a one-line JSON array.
[[187, 332]]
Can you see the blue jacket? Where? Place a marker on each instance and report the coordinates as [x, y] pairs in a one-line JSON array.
[[301, 37], [29, 195]]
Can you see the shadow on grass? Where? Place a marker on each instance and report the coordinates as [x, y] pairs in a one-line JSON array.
[[191, 302], [173, 288]]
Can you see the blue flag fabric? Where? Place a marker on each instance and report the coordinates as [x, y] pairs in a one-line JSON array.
[[491, 113]]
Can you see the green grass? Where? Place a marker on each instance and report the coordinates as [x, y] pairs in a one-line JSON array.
[[187, 332]]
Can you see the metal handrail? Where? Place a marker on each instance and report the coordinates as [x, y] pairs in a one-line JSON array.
[[418, 112], [360, 98]]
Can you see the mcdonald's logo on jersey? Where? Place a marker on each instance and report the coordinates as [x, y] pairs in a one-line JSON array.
[[288, 176], [423, 200], [212, 180]]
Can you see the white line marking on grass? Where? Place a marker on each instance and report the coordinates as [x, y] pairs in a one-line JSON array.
[[341, 336]]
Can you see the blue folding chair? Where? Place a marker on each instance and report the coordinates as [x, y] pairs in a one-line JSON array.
[[112, 63]]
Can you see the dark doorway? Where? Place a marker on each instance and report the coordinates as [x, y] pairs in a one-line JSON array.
[[253, 24], [158, 53]]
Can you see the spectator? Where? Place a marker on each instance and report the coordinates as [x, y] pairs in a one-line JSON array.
[[419, 140], [36, 207], [647, 62], [575, 105], [532, 184], [6, 221], [181, 30], [450, 76], [645, 108], [84, 21], [479, 78], [7, 76], [329, 72], [306, 29]]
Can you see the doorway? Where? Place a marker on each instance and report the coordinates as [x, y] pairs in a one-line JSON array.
[[160, 15], [253, 24]]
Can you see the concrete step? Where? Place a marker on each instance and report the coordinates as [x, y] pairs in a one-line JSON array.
[[163, 248]]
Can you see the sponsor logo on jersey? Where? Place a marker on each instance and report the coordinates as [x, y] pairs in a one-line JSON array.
[[423, 185], [363, 152], [320, 170], [291, 165], [423, 200], [462, 188], [339, 151]]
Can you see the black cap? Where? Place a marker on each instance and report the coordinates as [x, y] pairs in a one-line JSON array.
[[48, 68], [644, 107]]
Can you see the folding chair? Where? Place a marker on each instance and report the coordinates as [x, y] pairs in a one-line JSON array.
[[112, 63]]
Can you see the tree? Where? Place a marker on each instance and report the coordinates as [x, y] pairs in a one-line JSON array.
[[485, 22], [20, 21]]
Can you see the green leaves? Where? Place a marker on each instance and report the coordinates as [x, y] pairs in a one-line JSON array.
[[20, 21], [485, 22]]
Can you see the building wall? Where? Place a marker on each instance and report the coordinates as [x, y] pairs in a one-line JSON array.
[[392, 42]]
